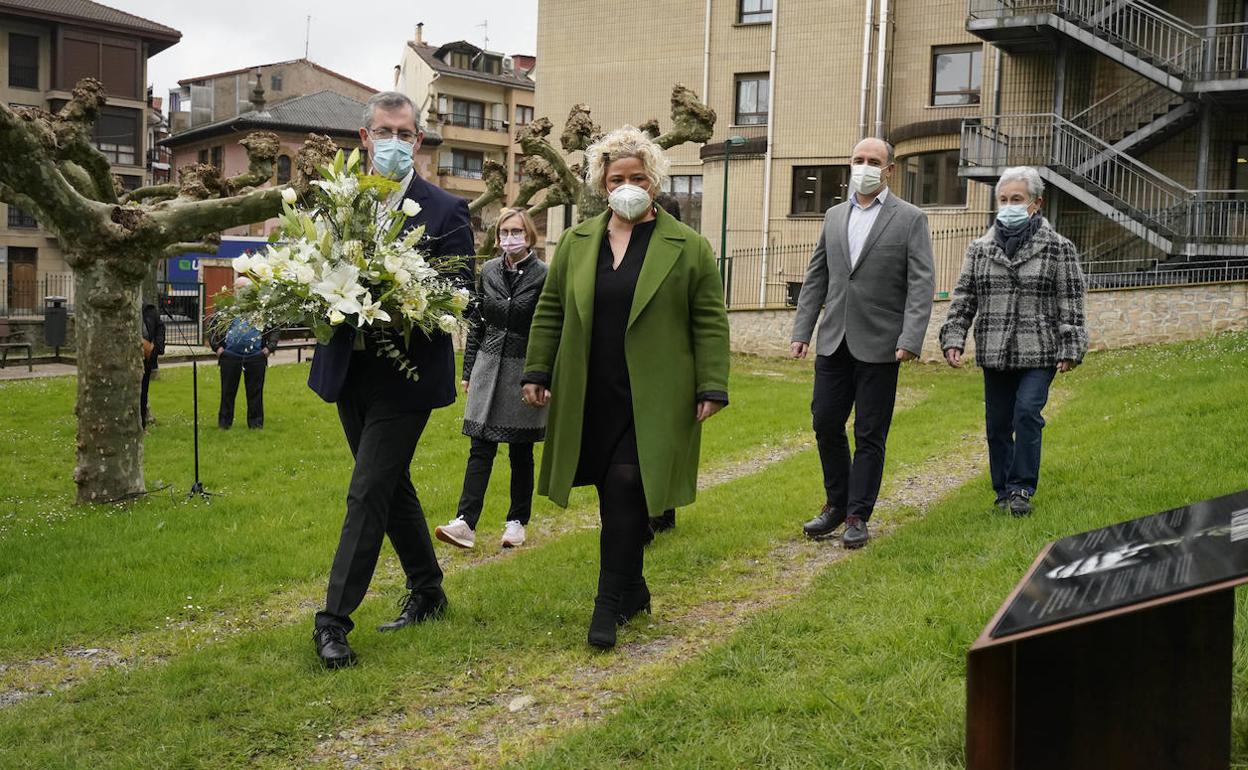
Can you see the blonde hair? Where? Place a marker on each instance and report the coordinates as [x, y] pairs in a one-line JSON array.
[[530, 230], [626, 142]]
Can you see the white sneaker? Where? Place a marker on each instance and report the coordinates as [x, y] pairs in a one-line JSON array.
[[513, 534], [457, 533]]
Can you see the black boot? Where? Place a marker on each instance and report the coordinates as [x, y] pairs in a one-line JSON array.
[[602, 627], [635, 601]]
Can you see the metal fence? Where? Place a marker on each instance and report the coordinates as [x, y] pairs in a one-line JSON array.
[[24, 298], [785, 270], [182, 308]]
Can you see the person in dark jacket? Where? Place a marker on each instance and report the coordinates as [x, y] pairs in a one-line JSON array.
[[507, 295], [243, 353], [153, 348], [383, 413], [1023, 282]]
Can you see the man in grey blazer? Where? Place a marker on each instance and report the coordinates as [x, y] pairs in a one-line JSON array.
[[872, 276]]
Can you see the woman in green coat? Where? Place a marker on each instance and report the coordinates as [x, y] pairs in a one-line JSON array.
[[629, 345]]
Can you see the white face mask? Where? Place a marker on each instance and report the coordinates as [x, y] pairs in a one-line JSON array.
[[865, 179], [629, 201]]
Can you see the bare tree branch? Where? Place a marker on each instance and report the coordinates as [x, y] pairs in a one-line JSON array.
[[152, 193], [692, 121], [262, 150], [205, 247], [72, 126], [495, 177], [579, 132], [532, 139]]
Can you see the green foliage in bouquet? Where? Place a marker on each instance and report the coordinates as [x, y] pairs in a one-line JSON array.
[[341, 257]]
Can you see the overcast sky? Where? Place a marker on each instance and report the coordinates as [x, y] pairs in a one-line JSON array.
[[220, 35]]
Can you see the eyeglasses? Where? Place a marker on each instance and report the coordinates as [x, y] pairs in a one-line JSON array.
[[519, 231], [385, 133]]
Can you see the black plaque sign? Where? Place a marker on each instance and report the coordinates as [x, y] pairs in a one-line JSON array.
[[1134, 561]]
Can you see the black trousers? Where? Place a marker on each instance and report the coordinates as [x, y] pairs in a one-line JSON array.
[[381, 501], [842, 384], [251, 369], [149, 365], [625, 529], [477, 479]]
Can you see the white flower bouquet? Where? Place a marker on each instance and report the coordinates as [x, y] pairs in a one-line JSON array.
[[343, 259]]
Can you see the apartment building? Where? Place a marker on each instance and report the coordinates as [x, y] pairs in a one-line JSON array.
[[212, 98], [1134, 112], [475, 99], [45, 49]]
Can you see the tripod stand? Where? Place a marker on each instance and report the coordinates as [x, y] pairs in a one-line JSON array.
[[197, 487]]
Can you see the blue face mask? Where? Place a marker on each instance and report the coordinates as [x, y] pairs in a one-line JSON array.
[[392, 158], [1013, 215]]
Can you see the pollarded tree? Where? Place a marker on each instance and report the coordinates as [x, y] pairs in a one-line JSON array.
[[50, 169], [546, 169]]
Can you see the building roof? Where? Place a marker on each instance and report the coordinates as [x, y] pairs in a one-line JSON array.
[[323, 112], [97, 16], [241, 70], [429, 54]]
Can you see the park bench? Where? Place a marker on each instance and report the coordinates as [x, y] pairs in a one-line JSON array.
[[9, 339], [298, 337]]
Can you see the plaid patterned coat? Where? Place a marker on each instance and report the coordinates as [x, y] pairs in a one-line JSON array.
[[1028, 311]]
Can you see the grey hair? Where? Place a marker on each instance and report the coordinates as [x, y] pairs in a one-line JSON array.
[[390, 100], [1024, 174]]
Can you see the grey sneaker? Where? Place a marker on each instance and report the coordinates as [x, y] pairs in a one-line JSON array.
[[513, 534], [457, 533]]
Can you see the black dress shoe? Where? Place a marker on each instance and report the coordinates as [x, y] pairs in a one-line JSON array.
[[1020, 503], [1002, 502], [332, 647], [602, 627], [417, 608], [633, 603], [825, 523], [664, 521], [855, 535]]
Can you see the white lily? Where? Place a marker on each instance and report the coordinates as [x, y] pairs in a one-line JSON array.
[[401, 276], [393, 262], [290, 196], [410, 207], [339, 288], [371, 311], [261, 270], [241, 264]]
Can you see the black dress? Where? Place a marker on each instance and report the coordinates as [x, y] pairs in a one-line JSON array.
[[608, 436]]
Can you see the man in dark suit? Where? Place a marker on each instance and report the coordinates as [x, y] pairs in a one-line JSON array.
[[872, 277], [383, 412]]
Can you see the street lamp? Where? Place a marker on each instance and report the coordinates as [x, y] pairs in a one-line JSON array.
[[732, 141]]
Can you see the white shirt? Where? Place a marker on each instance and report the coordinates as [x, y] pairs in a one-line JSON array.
[[861, 221]]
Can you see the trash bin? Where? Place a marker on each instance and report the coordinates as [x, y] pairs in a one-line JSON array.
[[55, 321]]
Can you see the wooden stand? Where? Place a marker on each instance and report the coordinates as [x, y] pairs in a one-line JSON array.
[[1142, 686]]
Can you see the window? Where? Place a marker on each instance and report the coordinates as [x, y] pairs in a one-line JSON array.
[[23, 61], [20, 220], [283, 169], [957, 74], [517, 174], [216, 157], [753, 11], [117, 136], [931, 179], [275, 82], [203, 155], [130, 182], [818, 188], [752, 95], [468, 114], [524, 115], [687, 190], [464, 163], [460, 60]]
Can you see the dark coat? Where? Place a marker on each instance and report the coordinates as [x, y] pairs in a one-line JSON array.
[[494, 353], [448, 233], [1028, 310]]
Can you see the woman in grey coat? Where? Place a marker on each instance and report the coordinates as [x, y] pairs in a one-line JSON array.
[[1023, 282], [508, 288]]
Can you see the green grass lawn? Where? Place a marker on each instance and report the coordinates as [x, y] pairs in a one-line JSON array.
[[864, 668]]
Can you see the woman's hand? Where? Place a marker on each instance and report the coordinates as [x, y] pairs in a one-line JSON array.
[[708, 408], [954, 357], [1065, 365], [535, 395], [464, 384]]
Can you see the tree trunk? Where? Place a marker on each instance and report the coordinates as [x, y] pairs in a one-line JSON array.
[[110, 371]]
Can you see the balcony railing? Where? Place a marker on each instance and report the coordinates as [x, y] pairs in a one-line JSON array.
[[20, 220], [474, 121], [460, 171]]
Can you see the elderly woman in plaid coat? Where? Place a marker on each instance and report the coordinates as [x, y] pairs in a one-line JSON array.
[[1023, 282]]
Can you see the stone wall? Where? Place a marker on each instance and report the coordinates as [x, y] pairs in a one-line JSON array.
[[1116, 319]]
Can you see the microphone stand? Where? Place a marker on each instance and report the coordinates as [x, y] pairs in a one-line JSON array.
[[197, 488]]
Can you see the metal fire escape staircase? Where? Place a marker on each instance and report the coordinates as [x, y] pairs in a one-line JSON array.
[[1090, 156]]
